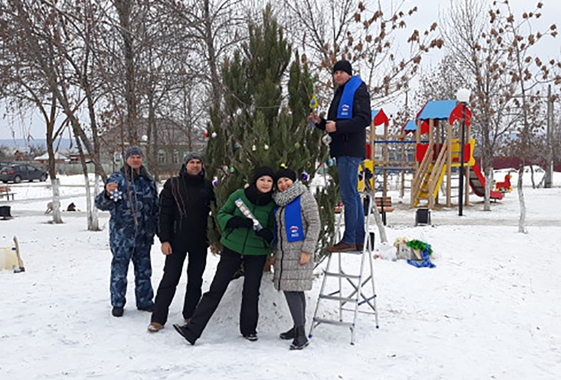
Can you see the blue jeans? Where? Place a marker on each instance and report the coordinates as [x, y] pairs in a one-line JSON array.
[[347, 168]]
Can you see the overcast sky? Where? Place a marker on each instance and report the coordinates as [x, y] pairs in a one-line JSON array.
[[429, 11]]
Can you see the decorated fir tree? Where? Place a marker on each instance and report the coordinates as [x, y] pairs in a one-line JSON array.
[[262, 120]]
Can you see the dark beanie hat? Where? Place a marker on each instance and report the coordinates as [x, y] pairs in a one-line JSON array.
[[284, 172], [343, 65], [192, 156], [132, 151], [263, 171]]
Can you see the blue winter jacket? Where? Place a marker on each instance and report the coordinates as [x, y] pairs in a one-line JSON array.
[[140, 199]]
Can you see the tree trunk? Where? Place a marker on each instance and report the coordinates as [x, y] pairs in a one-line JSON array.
[[548, 177], [95, 214], [521, 201], [57, 216], [99, 171], [212, 58], [154, 141], [151, 131], [488, 187], [89, 203], [532, 176], [379, 222], [124, 9], [189, 107], [489, 180]]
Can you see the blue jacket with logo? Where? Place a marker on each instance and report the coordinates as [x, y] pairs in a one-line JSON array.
[[134, 219]]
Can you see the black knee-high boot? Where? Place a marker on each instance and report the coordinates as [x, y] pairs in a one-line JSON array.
[[287, 335], [300, 340]]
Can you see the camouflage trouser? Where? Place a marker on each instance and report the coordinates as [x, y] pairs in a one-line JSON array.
[[140, 256]]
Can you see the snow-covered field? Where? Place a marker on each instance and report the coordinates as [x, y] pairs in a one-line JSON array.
[[491, 309]]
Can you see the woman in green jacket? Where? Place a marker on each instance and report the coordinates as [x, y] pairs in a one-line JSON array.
[[244, 242]]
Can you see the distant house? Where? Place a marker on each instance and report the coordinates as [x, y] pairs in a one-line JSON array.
[[59, 158], [173, 142], [73, 156]]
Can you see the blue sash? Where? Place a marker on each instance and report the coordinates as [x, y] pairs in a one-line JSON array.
[[293, 221], [345, 110]]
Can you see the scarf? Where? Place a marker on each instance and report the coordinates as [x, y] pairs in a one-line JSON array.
[[290, 200], [345, 110], [256, 197]]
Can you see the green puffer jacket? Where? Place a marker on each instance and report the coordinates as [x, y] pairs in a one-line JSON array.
[[244, 240]]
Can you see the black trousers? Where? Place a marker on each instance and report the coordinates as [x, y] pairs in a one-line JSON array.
[[229, 263], [172, 274]]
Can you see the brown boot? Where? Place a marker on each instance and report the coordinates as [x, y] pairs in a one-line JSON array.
[[155, 327], [341, 247]]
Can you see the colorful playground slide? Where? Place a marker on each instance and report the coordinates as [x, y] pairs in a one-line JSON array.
[[477, 182]]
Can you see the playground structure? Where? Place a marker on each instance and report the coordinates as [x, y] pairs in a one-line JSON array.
[[432, 155], [387, 153], [436, 158], [477, 183], [505, 186]]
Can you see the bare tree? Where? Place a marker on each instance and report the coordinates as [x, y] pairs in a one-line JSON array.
[[23, 79], [166, 67], [438, 83], [479, 60], [124, 10], [527, 76], [76, 46], [365, 34], [212, 28]]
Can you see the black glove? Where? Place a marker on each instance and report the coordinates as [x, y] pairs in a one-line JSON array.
[[239, 222], [266, 235]]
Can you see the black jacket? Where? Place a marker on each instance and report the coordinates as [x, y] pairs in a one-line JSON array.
[[184, 208], [350, 137]]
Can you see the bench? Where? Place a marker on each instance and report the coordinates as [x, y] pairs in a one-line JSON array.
[[384, 205], [5, 192]]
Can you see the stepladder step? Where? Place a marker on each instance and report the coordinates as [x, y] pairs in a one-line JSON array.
[[333, 298], [333, 322], [342, 275]]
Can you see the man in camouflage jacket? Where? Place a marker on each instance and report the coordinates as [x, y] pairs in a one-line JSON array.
[[131, 197]]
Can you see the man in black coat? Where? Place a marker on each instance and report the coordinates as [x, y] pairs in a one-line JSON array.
[[184, 208], [348, 116]]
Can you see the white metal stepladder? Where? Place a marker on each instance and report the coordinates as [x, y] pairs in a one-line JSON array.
[[352, 288]]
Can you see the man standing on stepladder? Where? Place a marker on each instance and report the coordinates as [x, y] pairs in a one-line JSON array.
[[131, 197], [348, 116]]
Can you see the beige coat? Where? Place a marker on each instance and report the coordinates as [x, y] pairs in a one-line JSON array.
[[289, 274]]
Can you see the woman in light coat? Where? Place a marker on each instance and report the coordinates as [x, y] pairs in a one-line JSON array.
[[297, 231]]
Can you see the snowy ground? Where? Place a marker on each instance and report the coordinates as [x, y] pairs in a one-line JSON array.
[[489, 310]]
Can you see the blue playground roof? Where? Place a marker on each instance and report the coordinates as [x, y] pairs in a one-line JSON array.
[[374, 113], [410, 126], [438, 109]]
